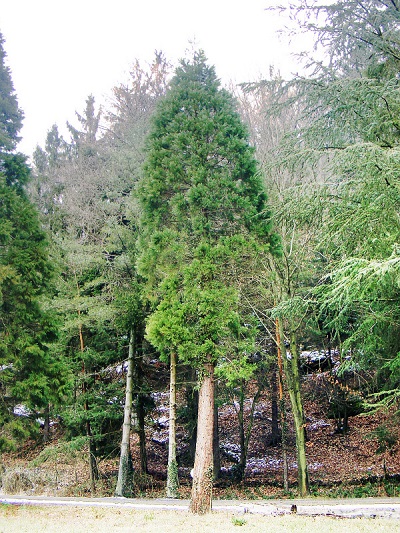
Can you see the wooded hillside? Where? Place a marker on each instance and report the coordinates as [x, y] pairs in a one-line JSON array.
[[238, 250]]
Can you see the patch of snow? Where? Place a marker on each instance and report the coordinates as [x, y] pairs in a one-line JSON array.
[[163, 421], [231, 450], [21, 410], [258, 465], [160, 439], [160, 396], [119, 369], [318, 424], [314, 466]]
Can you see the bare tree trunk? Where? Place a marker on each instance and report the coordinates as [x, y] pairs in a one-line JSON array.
[[140, 401], [216, 454], [275, 437], [93, 471], [282, 410], [241, 466], [141, 415], [292, 372], [245, 433], [201, 497], [192, 402], [125, 471], [46, 426], [172, 474]]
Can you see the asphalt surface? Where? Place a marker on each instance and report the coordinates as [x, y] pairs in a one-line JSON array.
[[344, 508]]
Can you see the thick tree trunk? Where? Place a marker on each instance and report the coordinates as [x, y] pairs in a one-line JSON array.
[[292, 372], [192, 402], [125, 471], [201, 497], [216, 454], [172, 473]]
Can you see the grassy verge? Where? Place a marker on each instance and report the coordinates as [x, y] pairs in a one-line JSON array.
[[21, 519]]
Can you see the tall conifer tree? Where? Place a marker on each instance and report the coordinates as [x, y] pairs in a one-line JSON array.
[[10, 114], [203, 210], [28, 373]]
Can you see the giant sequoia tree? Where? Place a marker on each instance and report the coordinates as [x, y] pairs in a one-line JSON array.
[[203, 213]]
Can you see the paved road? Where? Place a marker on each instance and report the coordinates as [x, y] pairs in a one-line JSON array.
[[350, 508]]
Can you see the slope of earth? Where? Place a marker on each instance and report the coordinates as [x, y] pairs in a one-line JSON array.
[[334, 457], [340, 464]]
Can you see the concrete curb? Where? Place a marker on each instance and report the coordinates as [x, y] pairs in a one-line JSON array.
[[354, 508]]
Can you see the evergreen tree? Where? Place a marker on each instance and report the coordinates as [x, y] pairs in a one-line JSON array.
[[348, 136], [10, 114], [82, 188], [203, 214], [352, 34], [30, 372]]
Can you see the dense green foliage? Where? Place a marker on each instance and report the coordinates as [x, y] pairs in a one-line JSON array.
[[203, 212], [83, 188], [10, 114], [153, 216], [31, 374], [345, 140]]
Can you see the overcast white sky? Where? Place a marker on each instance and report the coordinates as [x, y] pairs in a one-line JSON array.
[[59, 52]]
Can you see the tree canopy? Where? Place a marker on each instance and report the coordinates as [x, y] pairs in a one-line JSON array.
[[10, 114]]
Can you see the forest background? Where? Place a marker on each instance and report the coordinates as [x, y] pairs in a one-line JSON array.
[[80, 278]]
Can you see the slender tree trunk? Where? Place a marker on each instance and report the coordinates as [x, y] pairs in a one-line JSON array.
[[201, 497], [172, 474], [93, 471], [245, 433], [46, 426], [242, 440], [275, 437], [300, 422], [282, 410], [141, 415], [293, 379], [125, 471], [140, 401]]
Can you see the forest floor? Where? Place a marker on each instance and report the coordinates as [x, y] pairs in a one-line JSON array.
[[340, 464]]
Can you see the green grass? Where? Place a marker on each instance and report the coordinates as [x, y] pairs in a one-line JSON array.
[[367, 490]]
